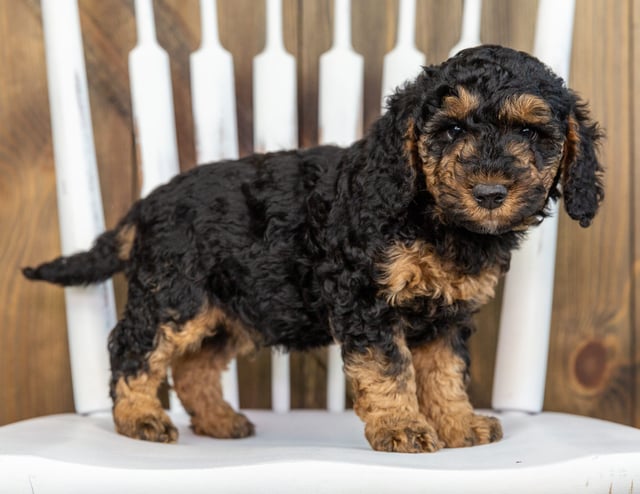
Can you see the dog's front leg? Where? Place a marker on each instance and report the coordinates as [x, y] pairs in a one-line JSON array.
[[385, 398], [441, 374]]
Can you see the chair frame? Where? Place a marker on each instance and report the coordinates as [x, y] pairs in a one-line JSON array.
[[541, 452]]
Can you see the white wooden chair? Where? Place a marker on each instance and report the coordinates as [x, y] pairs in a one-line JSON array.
[[316, 451]]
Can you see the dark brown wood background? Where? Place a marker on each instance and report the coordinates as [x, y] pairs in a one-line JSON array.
[[595, 344]]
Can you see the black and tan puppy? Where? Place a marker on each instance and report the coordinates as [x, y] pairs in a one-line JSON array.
[[387, 247]]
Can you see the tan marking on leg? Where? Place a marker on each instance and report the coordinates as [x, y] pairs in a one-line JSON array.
[[385, 399], [417, 270], [174, 341], [196, 377], [137, 410], [126, 236], [443, 398]]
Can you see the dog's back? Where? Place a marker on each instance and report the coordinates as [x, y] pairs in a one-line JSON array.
[[219, 234]]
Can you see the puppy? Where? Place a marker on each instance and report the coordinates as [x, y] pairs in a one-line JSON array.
[[387, 247]]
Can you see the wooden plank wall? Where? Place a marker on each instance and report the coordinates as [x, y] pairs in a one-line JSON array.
[[595, 344], [635, 205]]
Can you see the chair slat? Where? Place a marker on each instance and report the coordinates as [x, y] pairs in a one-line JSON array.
[[471, 22], [341, 84], [275, 121], [152, 102], [153, 113], [275, 114], [90, 311], [341, 93], [213, 93], [404, 61], [525, 321], [336, 384], [215, 122]]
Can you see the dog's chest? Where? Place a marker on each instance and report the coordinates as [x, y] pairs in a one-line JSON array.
[[415, 271]]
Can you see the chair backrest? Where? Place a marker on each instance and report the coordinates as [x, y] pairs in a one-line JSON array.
[[524, 329], [525, 319]]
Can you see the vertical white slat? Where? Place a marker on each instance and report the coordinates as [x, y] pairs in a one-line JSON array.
[[404, 62], [153, 114], [216, 130], [230, 387], [471, 22], [152, 102], [341, 77], [213, 92], [91, 311], [280, 381], [340, 122], [275, 126], [336, 384], [275, 115], [525, 321]]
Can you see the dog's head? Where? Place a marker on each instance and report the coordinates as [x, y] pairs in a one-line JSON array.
[[495, 135]]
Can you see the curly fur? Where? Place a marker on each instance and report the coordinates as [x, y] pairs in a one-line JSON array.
[[381, 246]]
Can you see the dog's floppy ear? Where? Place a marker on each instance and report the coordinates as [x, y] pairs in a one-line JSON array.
[[581, 177], [398, 126], [409, 107]]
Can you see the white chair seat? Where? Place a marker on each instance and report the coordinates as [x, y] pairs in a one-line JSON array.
[[315, 451]]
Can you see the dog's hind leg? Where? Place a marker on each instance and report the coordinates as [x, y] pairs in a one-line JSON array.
[[196, 377], [441, 375], [142, 346], [137, 371]]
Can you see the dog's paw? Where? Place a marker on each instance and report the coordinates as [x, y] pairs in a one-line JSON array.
[[229, 426], [155, 426], [404, 436], [469, 430]]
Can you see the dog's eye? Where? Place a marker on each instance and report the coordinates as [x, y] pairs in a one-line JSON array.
[[454, 132], [529, 133]]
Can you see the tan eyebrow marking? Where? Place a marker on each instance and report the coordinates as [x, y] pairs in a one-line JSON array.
[[525, 108], [460, 106]]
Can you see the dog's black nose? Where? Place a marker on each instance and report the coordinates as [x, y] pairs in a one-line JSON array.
[[489, 196]]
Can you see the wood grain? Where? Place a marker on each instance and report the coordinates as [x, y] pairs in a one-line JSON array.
[[509, 23], [590, 360], [316, 37], [595, 346], [34, 362], [373, 35], [431, 38], [634, 133]]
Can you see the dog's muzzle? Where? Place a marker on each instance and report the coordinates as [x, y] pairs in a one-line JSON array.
[[489, 196]]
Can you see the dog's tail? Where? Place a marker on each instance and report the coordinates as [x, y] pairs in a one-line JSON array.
[[108, 256]]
